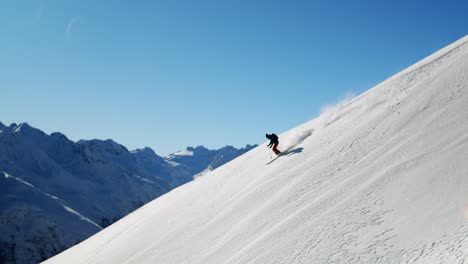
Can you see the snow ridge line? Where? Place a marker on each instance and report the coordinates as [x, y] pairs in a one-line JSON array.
[[58, 200]]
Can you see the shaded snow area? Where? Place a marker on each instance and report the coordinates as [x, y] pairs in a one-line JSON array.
[[58, 200], [379, 178]]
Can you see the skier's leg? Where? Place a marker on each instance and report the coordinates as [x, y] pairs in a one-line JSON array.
[[277, 152]]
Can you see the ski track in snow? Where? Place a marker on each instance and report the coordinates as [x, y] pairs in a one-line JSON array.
[[58, 200], [379, 178]]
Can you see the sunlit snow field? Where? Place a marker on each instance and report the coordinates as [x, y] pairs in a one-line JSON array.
[[378, 178]]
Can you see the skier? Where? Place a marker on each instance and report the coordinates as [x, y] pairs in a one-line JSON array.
[[273, 142]]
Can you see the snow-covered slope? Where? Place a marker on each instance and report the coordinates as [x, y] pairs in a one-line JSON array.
[[382, 178]]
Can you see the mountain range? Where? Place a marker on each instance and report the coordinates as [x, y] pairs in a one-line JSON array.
[[55, 193]]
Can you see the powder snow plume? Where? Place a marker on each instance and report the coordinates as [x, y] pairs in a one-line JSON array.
[[328, 115], [332, 112], [294, 138]]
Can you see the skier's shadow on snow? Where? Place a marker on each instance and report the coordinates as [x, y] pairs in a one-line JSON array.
[[292, 152]]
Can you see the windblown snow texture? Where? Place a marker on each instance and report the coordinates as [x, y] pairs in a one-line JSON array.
[[382, 179]]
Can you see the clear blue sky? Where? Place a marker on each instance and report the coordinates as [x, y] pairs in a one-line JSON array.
[[171, 74]]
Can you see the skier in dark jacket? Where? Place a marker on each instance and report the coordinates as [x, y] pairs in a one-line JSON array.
[[273, 142]]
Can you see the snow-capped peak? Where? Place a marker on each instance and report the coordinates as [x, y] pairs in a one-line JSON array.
[[184, 153], [22, 127], [18, 128], [145, 151]]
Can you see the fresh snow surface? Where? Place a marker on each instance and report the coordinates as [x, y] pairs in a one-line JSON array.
[[201, 174], [380, 178]]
